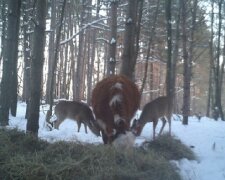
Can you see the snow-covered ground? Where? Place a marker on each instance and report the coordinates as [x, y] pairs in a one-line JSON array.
[[206, 137]]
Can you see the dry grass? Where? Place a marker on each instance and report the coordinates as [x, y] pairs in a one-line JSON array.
[[170, 148], [24, 157]]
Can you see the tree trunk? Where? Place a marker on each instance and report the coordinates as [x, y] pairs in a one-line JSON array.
[[218, 111], [128, 57], [188, 61], [26, 53], [51, 49], [55, 60], [80, 65], [186, 80], [169, 88], [222, 77], [83, 67], [138, 28], [37, 68], [65, 70], [14, 81], [212, 70], [151, 35], [111, 64], [3, 31], [175, 54], [93, 50], [9, 75]]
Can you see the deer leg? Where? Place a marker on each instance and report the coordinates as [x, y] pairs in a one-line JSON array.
[[169, 121], [85, 127], [78, 126], [155, 122], [163, 125]]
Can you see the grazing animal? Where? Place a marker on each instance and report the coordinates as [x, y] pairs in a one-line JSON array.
[[115, 99], [77, 111], [152, 111]]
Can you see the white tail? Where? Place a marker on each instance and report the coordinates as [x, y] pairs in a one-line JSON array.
[[77, 111], [152, 111]]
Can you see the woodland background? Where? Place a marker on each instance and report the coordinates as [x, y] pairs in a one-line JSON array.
[[54, 49]]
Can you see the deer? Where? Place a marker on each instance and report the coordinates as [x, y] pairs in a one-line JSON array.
[[152, 112], [77, 111], [115, 99]]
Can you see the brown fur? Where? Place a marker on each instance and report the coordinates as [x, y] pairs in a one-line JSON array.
[[80, 112], [115, 100], [152, 111]]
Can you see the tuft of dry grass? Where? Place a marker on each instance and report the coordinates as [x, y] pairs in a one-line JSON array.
[[24, 157], [170, 148]]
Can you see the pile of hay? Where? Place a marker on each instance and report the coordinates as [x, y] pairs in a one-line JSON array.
[[24, 157]]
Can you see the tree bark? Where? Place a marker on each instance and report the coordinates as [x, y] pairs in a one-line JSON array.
[[169, 88], [80, 65], [218, 111], [14, 82], [37, 68], [175, 54], [188, 62], [51, 49], [93, 50], [150, 42], [186, 80], [54, 63], [3, 11], [9, 75], [111, 64], [26, 53], [128, 57], [212, 70]]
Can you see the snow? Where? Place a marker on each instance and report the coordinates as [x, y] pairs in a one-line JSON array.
[[206, 137], [113, 41], [82, 29], [129, 20]]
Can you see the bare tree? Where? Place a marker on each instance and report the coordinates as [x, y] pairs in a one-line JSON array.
[[51, 49], [169, 83], [14, 51], [80, 64], [111, 64], [188, 56], [211, 71], [150, 43], [186, 96], [128, 57], [26, 50], [54, 63], [175, 53], [3, 18], [8, 94], [90, 78], [218, 110], [37, 67]]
